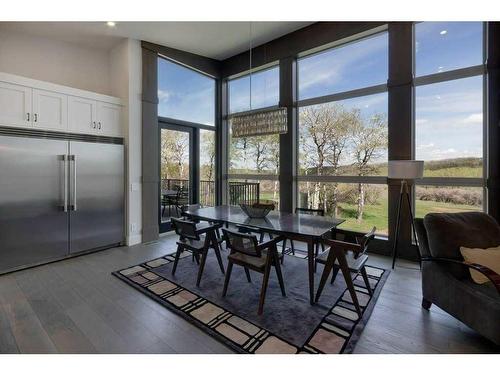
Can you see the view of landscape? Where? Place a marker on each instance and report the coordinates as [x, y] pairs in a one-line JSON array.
[[348, 137]]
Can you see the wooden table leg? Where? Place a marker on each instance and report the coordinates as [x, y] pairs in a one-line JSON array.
[[310, 262]]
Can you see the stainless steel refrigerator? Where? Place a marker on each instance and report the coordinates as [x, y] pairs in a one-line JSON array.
[[58, 197]]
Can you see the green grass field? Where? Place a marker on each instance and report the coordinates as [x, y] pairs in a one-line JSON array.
[[377, 214]]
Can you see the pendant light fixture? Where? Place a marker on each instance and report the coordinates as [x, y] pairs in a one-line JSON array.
[[258, 122]]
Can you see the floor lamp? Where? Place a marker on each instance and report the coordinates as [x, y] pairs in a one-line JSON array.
[[404, 170]]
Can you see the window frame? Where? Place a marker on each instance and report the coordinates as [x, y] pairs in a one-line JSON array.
[[180, 122], [447, 76], [336, 97], [246, 73], [226, 120]]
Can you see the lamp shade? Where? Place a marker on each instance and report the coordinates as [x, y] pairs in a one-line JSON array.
[[406, 169]]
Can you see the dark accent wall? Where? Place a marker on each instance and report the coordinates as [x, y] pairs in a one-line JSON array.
[[203, 64], [400, 120], [493, 119], [288, 141], [150, 166]]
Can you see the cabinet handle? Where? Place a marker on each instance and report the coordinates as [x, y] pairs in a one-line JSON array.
[[94, 125], [99, 125], [36, 117], [28, 117]]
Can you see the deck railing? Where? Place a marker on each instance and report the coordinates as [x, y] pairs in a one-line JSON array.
[[243, 192], [239, 192]]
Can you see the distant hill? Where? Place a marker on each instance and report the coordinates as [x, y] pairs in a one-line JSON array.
[[457, 167]]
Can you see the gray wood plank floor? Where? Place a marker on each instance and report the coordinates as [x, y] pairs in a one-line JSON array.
[[77, 306]]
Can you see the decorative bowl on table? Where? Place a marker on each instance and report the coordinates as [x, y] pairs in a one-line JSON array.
[[258, 209]]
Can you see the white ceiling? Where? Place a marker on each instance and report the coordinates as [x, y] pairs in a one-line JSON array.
[[218, 40]]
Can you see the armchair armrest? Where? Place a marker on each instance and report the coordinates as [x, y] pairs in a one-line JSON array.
[[489, 273], [269, 243], [208, 228], [354, 247]]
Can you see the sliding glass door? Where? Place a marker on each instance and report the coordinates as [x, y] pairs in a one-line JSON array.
[[176, 172]]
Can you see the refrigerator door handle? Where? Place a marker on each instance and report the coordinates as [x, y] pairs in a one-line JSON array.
[[73, 159], [65, 183]]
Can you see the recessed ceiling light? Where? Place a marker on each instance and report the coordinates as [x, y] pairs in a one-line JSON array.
[[443, 32], [111, 23]]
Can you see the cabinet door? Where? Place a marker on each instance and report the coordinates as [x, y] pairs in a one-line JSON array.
[[82, 115], [109, 119], [50, 110], [15, 105]]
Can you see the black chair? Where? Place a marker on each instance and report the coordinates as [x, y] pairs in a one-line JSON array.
[[355, 256], [446, 278], [253, 230], [181, 200], [197, 240], [245, 251], [306, 211]]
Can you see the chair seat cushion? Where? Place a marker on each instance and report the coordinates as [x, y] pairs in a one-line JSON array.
[[354, 264], [192, 244], [256, 262]]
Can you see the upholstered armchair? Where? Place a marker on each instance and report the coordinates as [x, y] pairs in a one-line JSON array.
[[446, 280]]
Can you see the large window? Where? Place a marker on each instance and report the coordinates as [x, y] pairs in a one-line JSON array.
[[348, 67], [449, 126], [265, 90], [184, 94], [343, 136], [254, 160]]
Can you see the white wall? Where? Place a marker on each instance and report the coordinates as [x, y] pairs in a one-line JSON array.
[[55, 61], [126, 83], [117, 72]]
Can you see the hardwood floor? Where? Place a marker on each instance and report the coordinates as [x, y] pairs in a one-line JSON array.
[[77, 306]]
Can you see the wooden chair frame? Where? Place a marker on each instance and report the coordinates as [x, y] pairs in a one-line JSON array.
[[272, 259], [337, 253], [191, 243]]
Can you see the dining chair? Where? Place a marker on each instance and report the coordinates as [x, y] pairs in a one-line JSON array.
[[247, 252], [353, 262], [305, 211], [253, 230], [198, 240]]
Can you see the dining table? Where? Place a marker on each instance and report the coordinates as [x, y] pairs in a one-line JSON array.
[[300, 227]]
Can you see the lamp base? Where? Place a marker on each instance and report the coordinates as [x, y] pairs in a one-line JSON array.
[[403, 192]]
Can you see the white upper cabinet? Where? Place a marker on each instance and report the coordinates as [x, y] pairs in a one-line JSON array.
[[15, 105], [50, 110], [109, 119], [28, 103], [82, 115]]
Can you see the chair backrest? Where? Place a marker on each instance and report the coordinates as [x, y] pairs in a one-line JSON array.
[[310, 211], [365, 240], [242, 243], [185, 228]]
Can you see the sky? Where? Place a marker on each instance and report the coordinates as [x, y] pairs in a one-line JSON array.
[[448, 115]]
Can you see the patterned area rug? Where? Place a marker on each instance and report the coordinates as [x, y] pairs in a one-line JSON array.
[[288, 325]]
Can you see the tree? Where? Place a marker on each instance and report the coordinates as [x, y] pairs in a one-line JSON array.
[[324, 137], [174, 155], [369, 141], [208, 155], [207, 167]]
